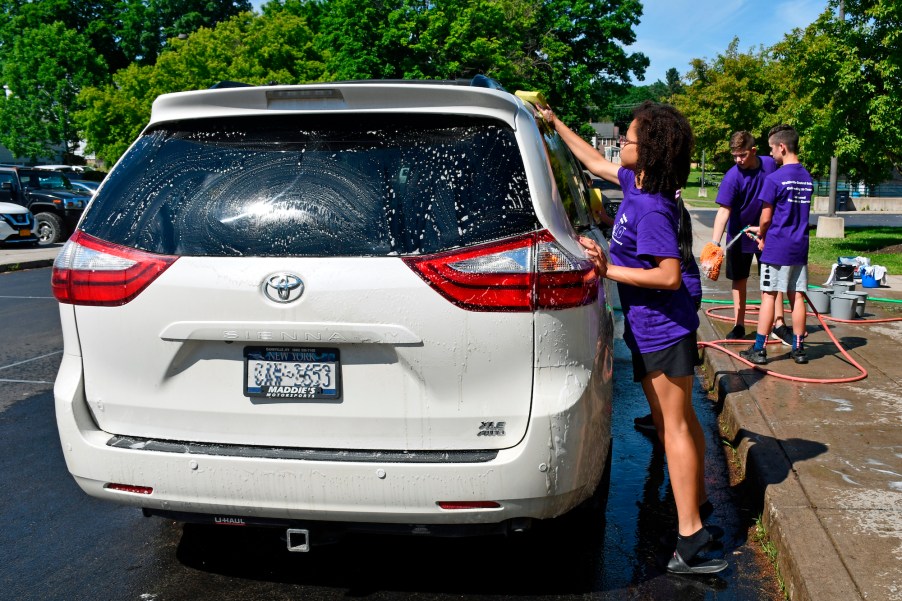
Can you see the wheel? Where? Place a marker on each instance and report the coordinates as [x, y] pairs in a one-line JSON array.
[[50, 228]]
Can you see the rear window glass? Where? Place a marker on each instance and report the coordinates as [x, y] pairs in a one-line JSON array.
[[320, 185]]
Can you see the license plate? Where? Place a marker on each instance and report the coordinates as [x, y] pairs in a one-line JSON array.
[[277, 372], [24, 233]]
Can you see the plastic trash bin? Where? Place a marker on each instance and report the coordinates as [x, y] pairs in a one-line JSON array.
[[820, 300], [842, 200], [868, 281]]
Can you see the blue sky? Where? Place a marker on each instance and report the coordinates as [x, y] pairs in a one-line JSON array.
[[673, 32]]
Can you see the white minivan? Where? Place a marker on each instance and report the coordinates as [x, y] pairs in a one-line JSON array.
[[354, 303]]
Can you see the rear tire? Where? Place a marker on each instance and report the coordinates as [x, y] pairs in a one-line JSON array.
[[49, 228]]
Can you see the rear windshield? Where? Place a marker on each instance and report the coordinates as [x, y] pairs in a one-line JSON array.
[[322, 185]]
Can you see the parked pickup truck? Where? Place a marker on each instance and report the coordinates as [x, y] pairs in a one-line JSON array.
[[55, 203]]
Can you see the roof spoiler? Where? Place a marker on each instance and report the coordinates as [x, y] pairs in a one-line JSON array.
[[478, 81], [230, 84]]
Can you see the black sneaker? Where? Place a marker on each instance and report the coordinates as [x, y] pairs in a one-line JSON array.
[[798, 355], [783, 333], [737, 333], [756, 356], [645, 423], [696, 565]]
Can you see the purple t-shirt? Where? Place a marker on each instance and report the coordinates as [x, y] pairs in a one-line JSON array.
[[789, 190], [646, 227], [739, 191]]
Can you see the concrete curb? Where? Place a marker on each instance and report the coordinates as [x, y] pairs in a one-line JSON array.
[[810, 565], [33, 264]]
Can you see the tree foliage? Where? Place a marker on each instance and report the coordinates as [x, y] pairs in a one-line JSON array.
[[122, 31], [734, 91], [51, 49], [620, 110], [44, 71], [847, 99], [674, 82], [838, 82], [92, 18], [254, 50], [563, 48], [571, 50]]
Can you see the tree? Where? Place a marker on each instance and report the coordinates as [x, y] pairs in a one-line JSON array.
[[674, 82], [92, 18], [352, 38], [121, 31], [571, 50], [255, 50], [44, 71], [585, 62], [847, 100], [620, 111], [735, 91]]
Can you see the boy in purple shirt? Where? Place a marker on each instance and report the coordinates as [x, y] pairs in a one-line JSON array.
[[783, 233], [739, 207]]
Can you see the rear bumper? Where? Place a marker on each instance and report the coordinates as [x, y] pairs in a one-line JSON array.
[[543, 476]]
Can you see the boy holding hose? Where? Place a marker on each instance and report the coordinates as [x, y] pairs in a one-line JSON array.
[[783, 241]]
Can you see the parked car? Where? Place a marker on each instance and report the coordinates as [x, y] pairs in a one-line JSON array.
[[76, 172], [49, 195], [357, 304], [16, 225], [68, 169], [86, 186]]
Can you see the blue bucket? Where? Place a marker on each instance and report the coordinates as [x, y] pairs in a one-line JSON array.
[[868, 281]]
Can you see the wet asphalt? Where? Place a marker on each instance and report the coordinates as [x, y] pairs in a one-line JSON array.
[[58, 543]]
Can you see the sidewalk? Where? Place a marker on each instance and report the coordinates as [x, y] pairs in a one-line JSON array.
[[826, 458], [14, 259]]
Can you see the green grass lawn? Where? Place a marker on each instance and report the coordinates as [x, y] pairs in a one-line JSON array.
[[698, 197], [879, 244]]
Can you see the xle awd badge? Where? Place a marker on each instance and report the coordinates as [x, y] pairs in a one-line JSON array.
[[491, 429], [283, 287]]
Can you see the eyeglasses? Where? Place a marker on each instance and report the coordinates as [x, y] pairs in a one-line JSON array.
[[626, 142]]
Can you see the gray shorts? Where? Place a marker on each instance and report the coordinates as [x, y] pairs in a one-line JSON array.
[[784, 278]]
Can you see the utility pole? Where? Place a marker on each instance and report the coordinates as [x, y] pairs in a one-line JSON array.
[[834, 163], [832, 226], [702, 191]]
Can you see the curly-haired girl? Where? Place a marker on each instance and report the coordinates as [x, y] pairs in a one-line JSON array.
[[650, 244]]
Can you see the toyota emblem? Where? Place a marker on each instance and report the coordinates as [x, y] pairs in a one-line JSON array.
[[283, 287]]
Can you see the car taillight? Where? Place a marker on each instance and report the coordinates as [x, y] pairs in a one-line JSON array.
[[519, 274], [132, 488], [89, 271], [469, 504]]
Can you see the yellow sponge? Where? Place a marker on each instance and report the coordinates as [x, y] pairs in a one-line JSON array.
[[596, 200], [535, 98]]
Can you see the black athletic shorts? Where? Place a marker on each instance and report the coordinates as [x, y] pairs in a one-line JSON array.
[[676, 361], [739, 264]]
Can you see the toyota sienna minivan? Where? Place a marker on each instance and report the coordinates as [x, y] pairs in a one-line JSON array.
[[360, 304]]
